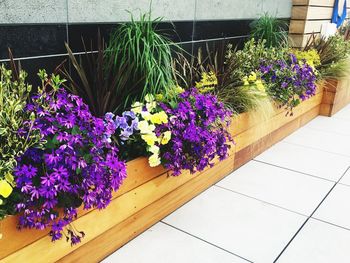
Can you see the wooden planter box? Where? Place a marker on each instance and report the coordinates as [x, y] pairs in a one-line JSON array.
[[254, 134], [336, 96], [150, 194], [147, 195]]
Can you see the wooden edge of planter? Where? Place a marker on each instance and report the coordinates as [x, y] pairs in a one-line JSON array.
[[263, 129], [336, 96], [105, 244], [139, 172], [249, 120], [251, 151], [120, 209]]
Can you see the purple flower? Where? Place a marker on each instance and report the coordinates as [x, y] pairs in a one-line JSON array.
[[77, 166], [199, 133], [288, 82]]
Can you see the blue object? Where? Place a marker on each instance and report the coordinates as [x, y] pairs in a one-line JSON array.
[[336, 18]]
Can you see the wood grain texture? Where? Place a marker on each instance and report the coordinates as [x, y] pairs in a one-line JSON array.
[[117, 236], [250, 136], [139, 173], [336, 96], [260, 145]]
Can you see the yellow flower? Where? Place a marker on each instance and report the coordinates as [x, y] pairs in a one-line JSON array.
[[154, 149], [159, 118], [146, 115], [259, 85], [163, 117], [252, 76], [166, 137], [151, 105], [150, 138], [136, 107], [149, 97], [5, 188], [179, 90], [143, 126], [154, 160], [159, 97]]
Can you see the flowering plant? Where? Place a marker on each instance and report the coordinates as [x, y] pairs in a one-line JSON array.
[[310, 57], [151, 117], [14, 93], [198, 126], [76, 166], [289, 82]]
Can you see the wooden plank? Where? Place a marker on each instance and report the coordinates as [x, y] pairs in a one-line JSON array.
[[300, 2], [105, 244], [297, 26], [251, 151], [329, 3], [336, 96], [250, 136], [306, 26], [299, 12], [297, 40], [119, 209], [311, 12], [139, 172]]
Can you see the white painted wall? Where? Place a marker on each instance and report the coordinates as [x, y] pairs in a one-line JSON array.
[[80, 11]]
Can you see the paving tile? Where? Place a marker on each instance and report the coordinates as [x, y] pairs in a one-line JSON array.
[[162, 243], [335, 208], [245, 226], [334, 125], [320, 243], [343, 114], [295, 191], [346, 178], [302, 159], [325, 141]]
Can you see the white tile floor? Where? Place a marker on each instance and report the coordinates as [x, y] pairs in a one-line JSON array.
[[290, 204]]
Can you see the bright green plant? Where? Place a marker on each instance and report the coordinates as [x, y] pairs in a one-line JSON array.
[[272, 29], [334, 55], [241, 63], [140, 45], [220, 72], [14, 93]]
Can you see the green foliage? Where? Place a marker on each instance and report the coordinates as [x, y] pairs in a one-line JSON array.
[[103, 87], [140, 46], [271, 29], [230, 87], [14, 93], [241, 63], [244, 98], [334, 55]]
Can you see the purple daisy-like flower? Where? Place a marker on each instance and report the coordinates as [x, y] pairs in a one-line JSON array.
[[77, 166], [198, 132]]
